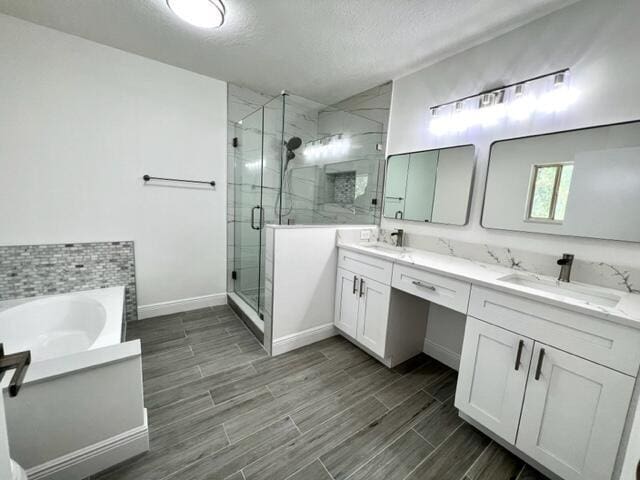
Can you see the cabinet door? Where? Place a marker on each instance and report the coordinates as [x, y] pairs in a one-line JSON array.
[[493, 374], [373, 315], [573, 414], [347, 300]]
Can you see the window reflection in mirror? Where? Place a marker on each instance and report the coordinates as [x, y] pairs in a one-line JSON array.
[[582, 182], [549, 193], [430, 186]]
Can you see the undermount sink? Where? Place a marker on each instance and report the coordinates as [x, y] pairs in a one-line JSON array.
[[385, 247], [582, 293]]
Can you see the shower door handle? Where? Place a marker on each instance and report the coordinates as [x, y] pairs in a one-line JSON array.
[[261, 222], [253, 217]]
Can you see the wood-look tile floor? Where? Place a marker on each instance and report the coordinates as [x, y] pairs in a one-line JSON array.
[[220, 408]]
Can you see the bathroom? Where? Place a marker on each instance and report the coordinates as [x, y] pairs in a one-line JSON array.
[[285, 240]]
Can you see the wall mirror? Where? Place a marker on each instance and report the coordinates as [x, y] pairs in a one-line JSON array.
[[430, 186], [582, 182]]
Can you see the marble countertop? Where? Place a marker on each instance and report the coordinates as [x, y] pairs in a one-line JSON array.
[[626, 312]]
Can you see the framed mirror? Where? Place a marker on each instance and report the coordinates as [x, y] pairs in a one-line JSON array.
[[430, 186], [583, 182]]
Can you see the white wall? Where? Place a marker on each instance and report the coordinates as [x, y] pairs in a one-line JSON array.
[[80, 124], [304, 282], [597, 40]]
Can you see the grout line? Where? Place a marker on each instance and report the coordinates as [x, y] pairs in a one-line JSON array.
[[521, 472], [302, 468], [422, 437], [476, 460], [434, 451], [295, 425], [326, 469], [224, 429]]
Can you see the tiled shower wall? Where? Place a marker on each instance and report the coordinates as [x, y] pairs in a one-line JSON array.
[[36, 270], [362, 119]]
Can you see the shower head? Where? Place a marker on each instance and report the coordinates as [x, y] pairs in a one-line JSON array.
[[293, 143]]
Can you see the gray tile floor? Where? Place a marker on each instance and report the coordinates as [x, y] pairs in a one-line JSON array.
[[220, 408]]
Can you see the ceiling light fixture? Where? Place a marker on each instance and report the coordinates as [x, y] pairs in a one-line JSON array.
[[200, 13]]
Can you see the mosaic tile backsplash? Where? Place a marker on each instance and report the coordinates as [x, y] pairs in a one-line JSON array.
[[36, 270]]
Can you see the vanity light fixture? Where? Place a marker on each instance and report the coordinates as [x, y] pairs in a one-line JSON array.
[[199, 13], [548, 93], [332, 146]]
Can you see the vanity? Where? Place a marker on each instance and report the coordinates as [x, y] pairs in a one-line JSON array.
[[547, 370]]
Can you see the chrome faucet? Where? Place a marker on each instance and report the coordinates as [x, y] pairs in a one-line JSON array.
[[566, 262], [400, 234]]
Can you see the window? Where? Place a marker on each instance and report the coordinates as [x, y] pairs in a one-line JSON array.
[[549, 192]]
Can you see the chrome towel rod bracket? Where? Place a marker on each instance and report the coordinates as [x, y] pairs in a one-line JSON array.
[[146, 178]]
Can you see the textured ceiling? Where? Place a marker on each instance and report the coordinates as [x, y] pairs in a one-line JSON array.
[[325, 50]]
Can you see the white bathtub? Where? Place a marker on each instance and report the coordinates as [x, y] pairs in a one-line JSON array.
[[60, 325], [81, 408]]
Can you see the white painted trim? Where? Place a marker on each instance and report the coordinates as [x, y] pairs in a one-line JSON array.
[[182, 305], [449, 358], [94, 458], [307, 337]]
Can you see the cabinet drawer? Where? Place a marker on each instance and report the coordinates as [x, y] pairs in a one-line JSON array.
[[445, 291], [365, 265], [600, 341]]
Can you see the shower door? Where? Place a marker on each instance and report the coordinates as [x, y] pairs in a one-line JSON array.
[[257, 186], [248, 210]]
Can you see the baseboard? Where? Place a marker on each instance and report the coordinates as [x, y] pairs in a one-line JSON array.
[[442, 354], [94, 458], [182, 305], [307, 337]]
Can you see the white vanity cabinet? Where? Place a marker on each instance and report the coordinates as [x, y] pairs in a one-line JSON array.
[[362, 307], [492, 377], [548, 379], [528, 375], [366, 314], [573, 415], [347, 302]]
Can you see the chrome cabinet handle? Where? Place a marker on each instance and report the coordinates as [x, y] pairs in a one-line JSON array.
[[361, 287], [253, 217], [355, 280], [519, 355], [539, 367], [424, 285]]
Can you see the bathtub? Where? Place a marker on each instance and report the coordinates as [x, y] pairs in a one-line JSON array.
[[60, 325], [80, 409]]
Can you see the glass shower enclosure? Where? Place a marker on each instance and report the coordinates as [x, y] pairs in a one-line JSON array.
[[257, 175], [296, 161]]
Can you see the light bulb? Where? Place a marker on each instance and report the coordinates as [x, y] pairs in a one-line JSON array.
[[199, 13]]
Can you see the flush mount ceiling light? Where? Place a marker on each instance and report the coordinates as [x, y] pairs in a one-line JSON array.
[[547, 94], [200, 13]]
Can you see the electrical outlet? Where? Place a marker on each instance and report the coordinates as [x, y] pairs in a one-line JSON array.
[[365, 234]]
